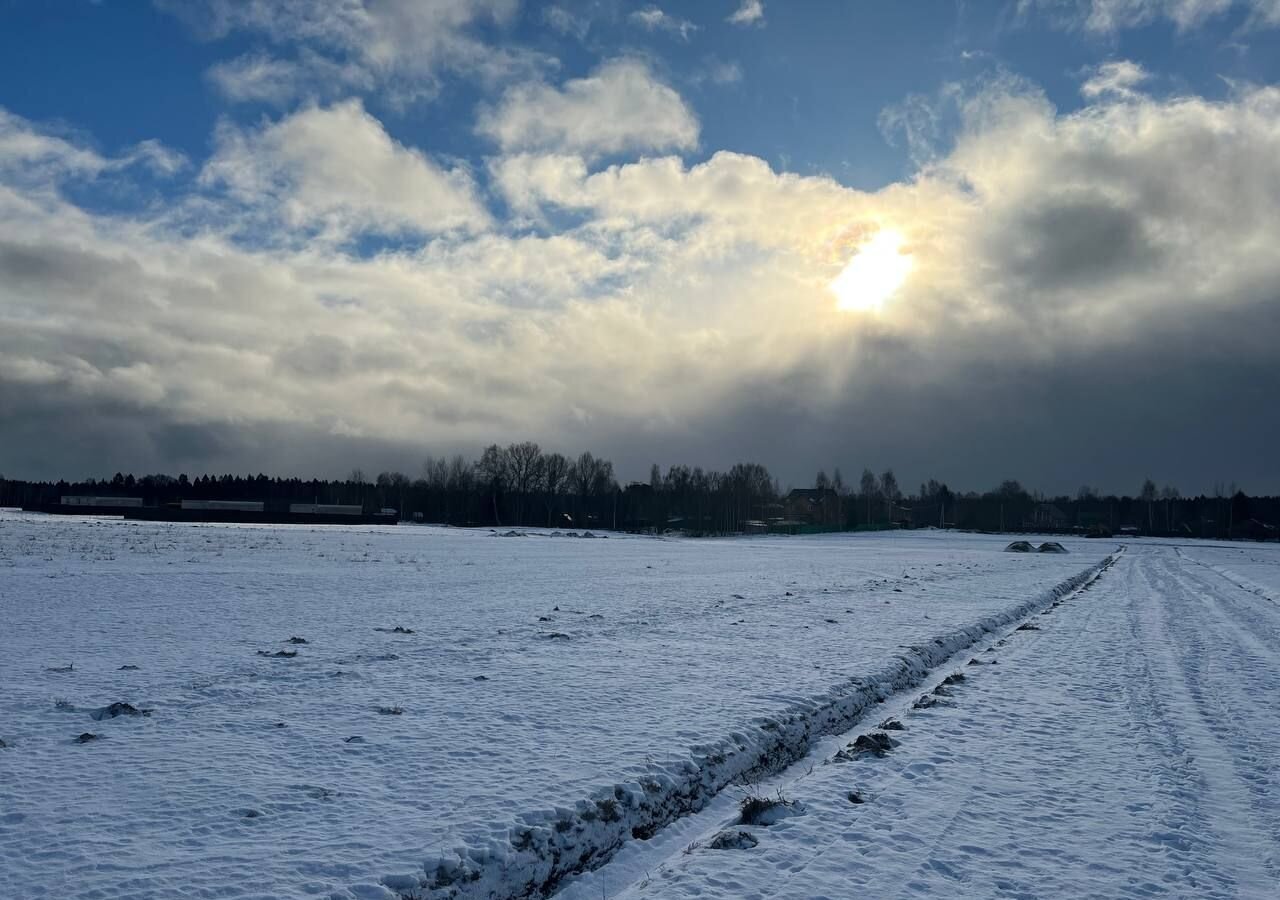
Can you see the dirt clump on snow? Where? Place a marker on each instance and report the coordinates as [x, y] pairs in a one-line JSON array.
[[733, 840], [876, 744], [118, 709], [767, 810], [86, 737]]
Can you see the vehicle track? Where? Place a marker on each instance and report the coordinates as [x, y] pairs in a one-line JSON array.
[[1124, 749]]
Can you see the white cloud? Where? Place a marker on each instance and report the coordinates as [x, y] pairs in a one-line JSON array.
[[32, 154], [258, 77], [1118, 78], [620, 107], [337, 172], [1107, 16], [399, 45], [724, 72], [652, 18], [565, 22], [37, 156], [750, 12]]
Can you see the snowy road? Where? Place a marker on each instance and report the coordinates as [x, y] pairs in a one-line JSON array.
[[1125, 747]]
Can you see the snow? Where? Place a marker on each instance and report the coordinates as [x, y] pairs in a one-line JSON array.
[[262, 775], [1124, 747]]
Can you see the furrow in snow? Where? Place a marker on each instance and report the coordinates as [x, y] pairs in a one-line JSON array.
[[543, 848]]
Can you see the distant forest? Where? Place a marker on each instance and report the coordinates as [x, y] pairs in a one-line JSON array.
[[521, 485]]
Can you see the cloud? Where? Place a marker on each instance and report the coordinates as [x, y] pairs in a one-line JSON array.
[[1117, 78], [724, 72], [651, 18], [38, 156], [258, 77], [620, 107], [668, 310], [751, 12], [565, 22], [335, 171], [1108, 16], [400, 46]]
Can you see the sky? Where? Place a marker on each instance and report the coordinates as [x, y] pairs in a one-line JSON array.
[[971, 241]]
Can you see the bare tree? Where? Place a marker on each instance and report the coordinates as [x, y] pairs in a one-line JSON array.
[[555, 475], [492, 469], [1169, 494], [889, 487], [462, 473], [870, 487], [591, 476], [1148, 496], [523, 463]]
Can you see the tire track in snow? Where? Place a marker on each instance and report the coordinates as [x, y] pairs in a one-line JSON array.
[[1106, 790], [1212, 683], [545, 848], [902, 708]]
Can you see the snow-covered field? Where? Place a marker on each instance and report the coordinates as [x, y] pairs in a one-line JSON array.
[[1124, 746], [553, 693]]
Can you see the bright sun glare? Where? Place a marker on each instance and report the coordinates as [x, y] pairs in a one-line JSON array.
[[873, 275]]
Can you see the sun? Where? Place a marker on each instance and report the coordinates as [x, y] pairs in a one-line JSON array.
[[873, 275]]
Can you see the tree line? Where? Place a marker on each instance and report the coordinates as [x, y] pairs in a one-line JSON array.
[[523, 485]]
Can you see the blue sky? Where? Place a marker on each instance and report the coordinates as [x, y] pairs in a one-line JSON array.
[[286, 234], [813, 79]]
